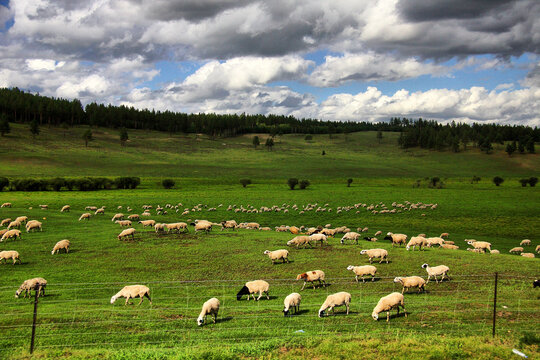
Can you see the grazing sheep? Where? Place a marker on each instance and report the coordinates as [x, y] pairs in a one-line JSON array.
[[10, 254], [432, 241], [353, 236], [11, 234], [44, 207], [335, 300], [133, 217], [294, 230], [228, 224], [91, 208], [527, 255], [210, 307], [5, 222], [146, 223], [311, 276], [127, 233], [318, 237], [525, 242], [445, 235], [22, 219], [328, 232], [65, 208], [378, 233], [411, 282], [450, 246], [536, 283], [27, 286], [33, 225], [85, 216], [252, 225], [118, 216], [376, 253], [2, 232], [537, 249], [177, 227], [62, 244], [480, 244], [397, 239], [494, 252], [265, 228], [252, 287], [202, 225], [362, 271], [435, 271], [159, 227], [14, 224], [370, 238], [6, 204], [517, 249], [277, 255], [386, 303], [133, 291], [100, 211], [417, 241], [292, 301], [123, 223], [299, 240]]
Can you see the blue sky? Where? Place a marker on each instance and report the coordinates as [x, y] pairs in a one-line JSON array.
[[339, 60]]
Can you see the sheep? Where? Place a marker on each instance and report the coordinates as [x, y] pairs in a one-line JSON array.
[[411, 282], [362, 271], [27, 286], [14, 224], [210, 307], [159, 227], [292, 301], [133, 217], [477, 251], [11, 234], [444, 235], [335, 300], [378, 233], [447, 242], [123, 223], [350, 236], [146, 223], [416, 241], [277, 254], [265, 228], [370, 238], [253, 225], [2, 232], [537, 249], [450, 246], [65, 208], [118, 216], [312, 276], [434, 241], [536, 283], [328, 232], [6, 204], [127, 233], [386, 303], [44, 207], [318, 237], [396, 238], [133, 291], [525, 242], [5, 222], [480, 244], [517, 249], [527, 255], [228, 224], [436, 270], [294, 230], [91, 208], [10, 254], [177, 226], [33, 225], [376, 253], [202, 225], [252, 287], [494, 252], [62, 244], [100, 211], [85, 216], [22, 219], [299, 240]]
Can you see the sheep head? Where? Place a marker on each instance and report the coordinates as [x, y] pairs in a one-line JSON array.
[[243, 291]]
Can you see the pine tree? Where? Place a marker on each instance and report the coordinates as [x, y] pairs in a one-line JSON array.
[[256, 142], [123, 136], [4, 125], [34, 128], [510, 149], [87, 136]]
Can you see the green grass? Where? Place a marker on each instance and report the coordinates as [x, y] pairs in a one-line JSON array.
[[450, 320]]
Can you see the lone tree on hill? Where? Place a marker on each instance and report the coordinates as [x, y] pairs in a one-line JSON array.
[[34, 128], [87, 136], [510, 149], [256, 141], [304, 184], [497, 180], [349, 182], [269, 143], [4, 125], [379, 136], [123, 136], [246, 182], [292, 182]]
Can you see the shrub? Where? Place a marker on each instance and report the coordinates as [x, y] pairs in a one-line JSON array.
[[29, 185], [308, 137], [533, 180], [292, 182], [4, 182], [523, 182], [304, 184], [127, 182], [497, 180], [434, 181], [475, 179], [57, 183], [168, 183], [70, 184], [349, 182], [245, 182], [84, 184]]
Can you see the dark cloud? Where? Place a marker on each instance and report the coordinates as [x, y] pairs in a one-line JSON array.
[[191, 10], [429, 10]]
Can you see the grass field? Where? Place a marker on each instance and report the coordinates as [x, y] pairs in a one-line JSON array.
[[451, 320]]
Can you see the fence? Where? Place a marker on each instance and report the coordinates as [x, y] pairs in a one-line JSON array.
[[80, 314]]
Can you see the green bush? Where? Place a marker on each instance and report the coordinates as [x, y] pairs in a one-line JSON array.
[[304, 184], [497, 180], [127, 182], [168, 183], [4, 182], [349, 182], [533, 180], [292, 182], [308, 137], [57, 183], [245, 182]]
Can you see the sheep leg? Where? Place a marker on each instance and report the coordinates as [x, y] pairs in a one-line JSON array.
[[127, 299], [428, 278], [405, 312], [140, 302], [215, 318], [267, 297], [388, 316], [347, 305], [303, 286], [260, 294], [356, 277], [402, 290]]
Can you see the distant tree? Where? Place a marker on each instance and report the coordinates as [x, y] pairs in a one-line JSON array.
[[57, 183], [4, 125], [323, 153], [475, 179], [124, 137], [269, 143], [256, 142], [510, 149], [64, 125], [34, 128], [379, 136], [349, 182], [304, 184], [245, 182], [87, 136], [486, 146], [168, 183], [4, 182], [521, 147], [308, 137], [434, 181], [292, 182], [529, 145], [523, 182], [497, 180], [533, 180]]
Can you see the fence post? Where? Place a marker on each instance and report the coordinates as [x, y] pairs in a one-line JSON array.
[[34, 321], [495, 304]]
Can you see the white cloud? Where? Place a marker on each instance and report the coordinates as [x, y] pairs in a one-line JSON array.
[[43, 64]]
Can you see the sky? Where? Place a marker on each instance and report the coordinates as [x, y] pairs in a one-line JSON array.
[[462, 60]]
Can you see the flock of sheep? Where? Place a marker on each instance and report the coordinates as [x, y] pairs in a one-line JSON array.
[[305, 236]]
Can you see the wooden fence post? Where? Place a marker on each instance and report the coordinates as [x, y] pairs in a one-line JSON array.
[[495, 304]]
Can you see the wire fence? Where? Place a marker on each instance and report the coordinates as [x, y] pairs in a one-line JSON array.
[[76, 315]]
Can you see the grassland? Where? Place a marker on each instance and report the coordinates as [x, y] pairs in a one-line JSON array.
[[450, 320]]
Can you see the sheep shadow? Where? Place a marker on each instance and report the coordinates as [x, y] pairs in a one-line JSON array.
[[223, 320], [395, 316], [368, 280], [283, 263]]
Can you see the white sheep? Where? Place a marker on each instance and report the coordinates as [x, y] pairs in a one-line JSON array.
[[353, 236], [37, 284], [123, 223], [133, 217], [203, 225], [33, 225], [210, 307], [435, 271], [16, 224], [65, 208], [177, 227], [292, 301], [525, 242], [5, 222], [411, 282], [146, 223], [312, 276], [62, 244], [133, 291], [318, 237], [252, 287], [11, 234], [386, 303], [22, 219], [494, 252], [363, 271], [396, 238], [118, 216], [527, 255], [517, 249], [10, 254], [484, 245], [100, 211], [417, 241], [299, 240], [85, 216], [159, 227], [335, 300], [6, 204], [127, 233], [228, 224], [432, 241], [450, 246], [277, 255], [376, 253]]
